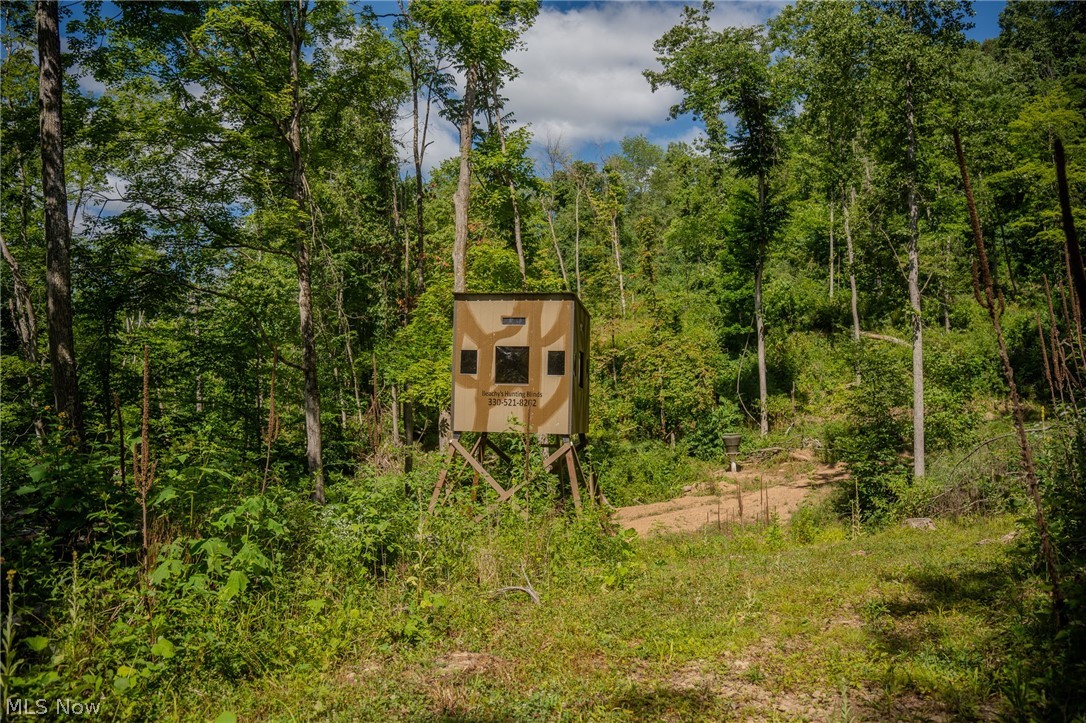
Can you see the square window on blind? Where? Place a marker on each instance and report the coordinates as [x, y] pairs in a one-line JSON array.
[[469, 361], [511, 364], [556, 363]]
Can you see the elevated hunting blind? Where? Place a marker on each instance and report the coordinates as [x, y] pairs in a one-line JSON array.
[[520, 364]]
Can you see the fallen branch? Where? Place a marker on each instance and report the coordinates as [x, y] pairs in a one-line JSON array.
[[884, 337], [513, 588], [527, 590], [765, 452]]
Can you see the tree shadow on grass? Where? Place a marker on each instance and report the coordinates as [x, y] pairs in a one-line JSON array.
[[908, 621], [665, 703], [662, 703]]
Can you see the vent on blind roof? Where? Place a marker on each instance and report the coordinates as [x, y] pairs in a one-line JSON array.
[[513, 320]]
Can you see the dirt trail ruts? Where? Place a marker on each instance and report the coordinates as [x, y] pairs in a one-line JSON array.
[[786, 484]]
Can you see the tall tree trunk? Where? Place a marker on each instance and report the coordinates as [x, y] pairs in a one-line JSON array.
[[418, 148], [849, 250], [345, 330], [408, 422], [517, 239], [617, 248], [577, 237], [300, 194], [339, 398], [58, 275], [395, 416], [462, 197], [992, 305], [21, 307], [557, 249], [554, 153], [759, 264], [1074, 251], [914, 282], [831, 249]]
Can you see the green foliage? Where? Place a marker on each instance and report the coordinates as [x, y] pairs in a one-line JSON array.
[[706, 441], [648, 472], [417, 358], [874, 439], [1048, 680], [254, 600]]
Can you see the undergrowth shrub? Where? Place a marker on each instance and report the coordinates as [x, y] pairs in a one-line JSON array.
[[647, 472], [873, 439], [809, 521], [1049, 679], [705, 440]]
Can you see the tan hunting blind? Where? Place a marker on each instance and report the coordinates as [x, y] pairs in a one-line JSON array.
[[520, 364]]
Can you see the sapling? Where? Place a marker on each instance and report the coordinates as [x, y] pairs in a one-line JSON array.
[[143, 470]]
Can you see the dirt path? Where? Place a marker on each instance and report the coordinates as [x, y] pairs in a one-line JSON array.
[[779, 487]]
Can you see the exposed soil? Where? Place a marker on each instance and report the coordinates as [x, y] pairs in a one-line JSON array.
[[777, 488]]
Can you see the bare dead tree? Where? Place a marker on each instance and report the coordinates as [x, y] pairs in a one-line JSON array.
[[1074, 252], [992, 301]]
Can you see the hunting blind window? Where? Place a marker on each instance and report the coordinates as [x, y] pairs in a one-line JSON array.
[[556, 363], [469, 361], [511, 364]]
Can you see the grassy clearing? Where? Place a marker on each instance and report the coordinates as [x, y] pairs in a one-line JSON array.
[[751, 624]]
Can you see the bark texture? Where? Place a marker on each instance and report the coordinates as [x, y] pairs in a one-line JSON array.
[[854, 300], [1074, 251], [462, 197], [300, 194], [58, 275], [913, 270], [759, 322]]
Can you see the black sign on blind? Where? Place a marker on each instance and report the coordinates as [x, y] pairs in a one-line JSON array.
[[511, 364]]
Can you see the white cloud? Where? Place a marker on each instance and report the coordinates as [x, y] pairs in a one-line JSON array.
[[581, 69], [581, 79]]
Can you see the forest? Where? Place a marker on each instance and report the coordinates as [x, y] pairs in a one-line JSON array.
[[229, 260]]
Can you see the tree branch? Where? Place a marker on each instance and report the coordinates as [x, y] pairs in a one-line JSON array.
[[884, 337]]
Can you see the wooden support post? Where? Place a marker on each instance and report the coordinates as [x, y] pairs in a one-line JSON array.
[[441, 477], [497, 450], [571, 466], [566, 448], [477, 467], [590, 481], [480, 444], [558, 454]]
